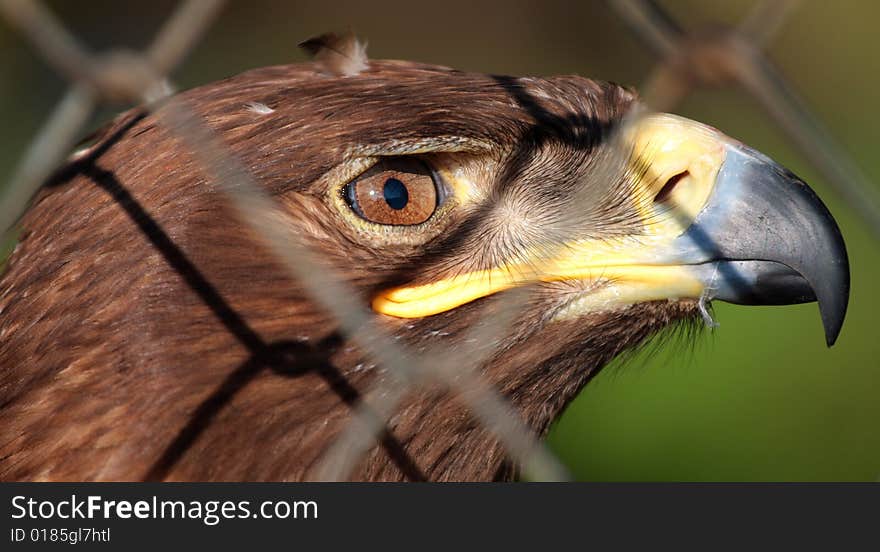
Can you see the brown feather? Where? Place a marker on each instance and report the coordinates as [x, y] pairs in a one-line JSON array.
[[145, 333]]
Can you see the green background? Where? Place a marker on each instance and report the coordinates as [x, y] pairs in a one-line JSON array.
[[758, 398]]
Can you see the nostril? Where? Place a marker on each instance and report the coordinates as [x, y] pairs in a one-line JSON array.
[[667, 188]]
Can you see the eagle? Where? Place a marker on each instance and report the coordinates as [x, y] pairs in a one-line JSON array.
[[147, 332]]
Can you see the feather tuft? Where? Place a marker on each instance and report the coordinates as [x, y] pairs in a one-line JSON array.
[[340, 55], [258, 108]]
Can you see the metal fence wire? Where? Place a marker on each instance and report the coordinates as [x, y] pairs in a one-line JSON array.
[[729, 57]]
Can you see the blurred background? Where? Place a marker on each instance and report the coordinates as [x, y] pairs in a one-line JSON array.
[[758, 398]]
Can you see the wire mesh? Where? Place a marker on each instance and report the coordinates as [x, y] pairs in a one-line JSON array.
[[687, 60]]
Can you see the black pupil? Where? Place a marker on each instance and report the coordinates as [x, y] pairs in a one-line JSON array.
[[395, 193]]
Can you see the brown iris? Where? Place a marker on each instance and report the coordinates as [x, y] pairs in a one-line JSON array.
[[397, 192]]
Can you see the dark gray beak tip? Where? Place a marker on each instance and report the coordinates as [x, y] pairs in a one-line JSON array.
[[833, 297], [825, 263]]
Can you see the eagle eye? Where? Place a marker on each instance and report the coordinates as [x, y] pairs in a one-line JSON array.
[[398, 192]]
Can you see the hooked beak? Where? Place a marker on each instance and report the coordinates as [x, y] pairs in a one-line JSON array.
[[765, 238]]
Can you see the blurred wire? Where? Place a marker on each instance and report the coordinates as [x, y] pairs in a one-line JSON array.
[[732, 56], [260, 211], [457, 371], [766, 19], [58, 47], [120, 75], [181, 33], [652, 24], [47, 151]]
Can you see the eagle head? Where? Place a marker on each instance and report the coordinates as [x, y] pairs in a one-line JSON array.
[[149, 332]]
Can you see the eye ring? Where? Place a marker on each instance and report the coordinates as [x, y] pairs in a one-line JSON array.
[[395, 192]]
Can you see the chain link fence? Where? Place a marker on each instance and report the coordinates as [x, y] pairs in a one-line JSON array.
[[730, 57]]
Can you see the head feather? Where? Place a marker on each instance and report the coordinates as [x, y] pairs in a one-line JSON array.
[[340, 55]]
